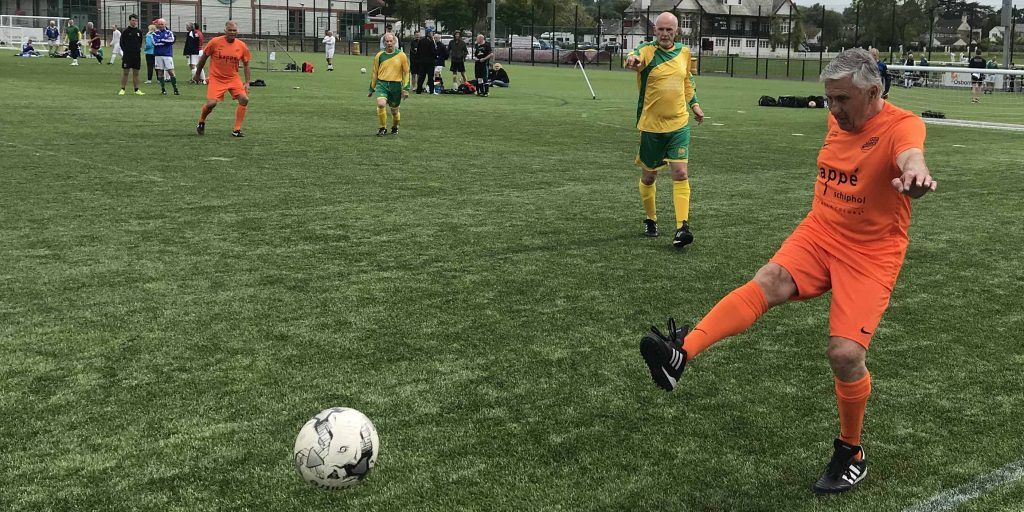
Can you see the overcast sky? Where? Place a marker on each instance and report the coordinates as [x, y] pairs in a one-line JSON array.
[[839, 5]]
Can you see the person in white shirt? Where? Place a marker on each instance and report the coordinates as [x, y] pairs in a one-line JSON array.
[[115, 45], [329, 41]]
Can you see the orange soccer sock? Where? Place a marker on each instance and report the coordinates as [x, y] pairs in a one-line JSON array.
[[732, 315], [852, 398], [239, 117], [205, 112]]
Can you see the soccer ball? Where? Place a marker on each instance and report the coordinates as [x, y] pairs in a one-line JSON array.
[[811, 104], [337, 448], [362, 70]]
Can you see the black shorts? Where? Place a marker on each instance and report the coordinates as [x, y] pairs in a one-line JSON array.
[[977, 78], [458, 66], [73, 48], [481, 70], [131, 60]]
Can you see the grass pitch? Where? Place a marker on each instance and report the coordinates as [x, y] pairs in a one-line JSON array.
[[173, 308]]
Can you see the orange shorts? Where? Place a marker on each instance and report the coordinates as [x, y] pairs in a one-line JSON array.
[[858, 298], [216, 90]]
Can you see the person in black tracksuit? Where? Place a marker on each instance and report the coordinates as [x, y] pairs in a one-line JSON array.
[[426, 52], [483, 54], [131, 45], [440, 55]]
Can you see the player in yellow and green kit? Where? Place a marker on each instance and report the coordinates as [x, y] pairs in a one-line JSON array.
[[666, 90], [390, 83]]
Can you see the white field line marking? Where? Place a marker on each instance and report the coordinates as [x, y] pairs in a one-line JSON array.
[[798, 135], [975, 124], [86, 162], [953, 498]]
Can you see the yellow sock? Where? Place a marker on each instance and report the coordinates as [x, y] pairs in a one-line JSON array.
[[395, 117], [681, 200], [382, 116], [647, 195]]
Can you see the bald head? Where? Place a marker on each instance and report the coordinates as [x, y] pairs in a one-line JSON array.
[[389, 42], [230, 30], [665, 27]]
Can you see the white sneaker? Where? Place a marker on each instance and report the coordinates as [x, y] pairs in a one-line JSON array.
[[148, 81], [74, 63]]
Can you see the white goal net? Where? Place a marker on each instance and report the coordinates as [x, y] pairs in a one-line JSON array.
[[987, 98], [16, 30]]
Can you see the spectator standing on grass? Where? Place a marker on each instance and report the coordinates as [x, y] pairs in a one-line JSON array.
[[329, 42], [414, 55], [908, 77], [499, 77], [131, 45], [457, 51], [163, 42], [115, 46], [73, 33], [52, 37], [977, 79], [883, 71], [193, 49], [150, 56], [427, 53], [482, 54], [440, 55], [94, 42]]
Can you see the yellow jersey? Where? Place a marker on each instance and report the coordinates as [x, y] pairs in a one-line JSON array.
[[666, 87], [391, 67]]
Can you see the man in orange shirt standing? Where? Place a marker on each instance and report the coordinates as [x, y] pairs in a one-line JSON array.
[[852, 242], [224, 53]]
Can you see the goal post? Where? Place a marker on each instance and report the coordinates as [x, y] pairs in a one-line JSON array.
[[989, 98], [16, 30]]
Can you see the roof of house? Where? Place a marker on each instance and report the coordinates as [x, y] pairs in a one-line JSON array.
[[746, 7]]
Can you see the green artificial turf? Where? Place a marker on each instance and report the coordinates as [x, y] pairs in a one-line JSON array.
[[173, 307]]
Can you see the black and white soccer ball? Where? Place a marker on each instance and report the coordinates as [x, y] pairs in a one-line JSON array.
[[337, 448]]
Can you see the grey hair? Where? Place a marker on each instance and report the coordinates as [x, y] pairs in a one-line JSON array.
[[856, 63]]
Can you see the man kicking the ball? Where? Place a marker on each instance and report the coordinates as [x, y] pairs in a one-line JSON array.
[[852, 243], [224, 53]]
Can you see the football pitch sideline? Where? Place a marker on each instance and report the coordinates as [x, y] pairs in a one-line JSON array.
[[173, 308]]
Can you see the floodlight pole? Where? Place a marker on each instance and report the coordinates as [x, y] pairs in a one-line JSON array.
[[1007, 32], [494, 14]]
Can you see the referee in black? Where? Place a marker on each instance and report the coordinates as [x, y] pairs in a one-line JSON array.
[[131, 45], [483, 54]]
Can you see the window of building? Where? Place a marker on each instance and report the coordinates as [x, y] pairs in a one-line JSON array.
[[149, 11], [685, 21], [762, 43], [737, 24], [720, 42], [750, 43], [296, 22]]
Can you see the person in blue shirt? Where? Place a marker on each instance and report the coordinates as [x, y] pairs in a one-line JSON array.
[[163, 53], [150, 58], [883, 70], [27, 50], [52, 34]]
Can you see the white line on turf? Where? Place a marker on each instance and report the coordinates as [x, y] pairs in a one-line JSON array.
[[798, 135], [953, 498], [81, 161]]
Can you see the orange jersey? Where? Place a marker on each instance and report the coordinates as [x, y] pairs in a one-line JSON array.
[[853, 197], [224, 58]]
